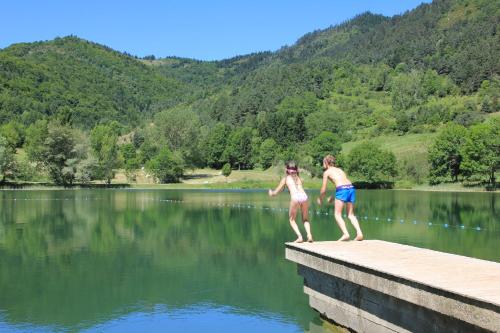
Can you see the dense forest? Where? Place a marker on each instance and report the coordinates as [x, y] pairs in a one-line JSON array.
[[74, 111]]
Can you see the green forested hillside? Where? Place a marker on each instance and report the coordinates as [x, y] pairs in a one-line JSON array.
[[457, 38], [82, 83], [370, 78]]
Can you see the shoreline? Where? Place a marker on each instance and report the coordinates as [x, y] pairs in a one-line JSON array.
[[236, 186]]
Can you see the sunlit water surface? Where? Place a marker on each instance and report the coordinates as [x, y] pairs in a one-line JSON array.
[[190, 261]]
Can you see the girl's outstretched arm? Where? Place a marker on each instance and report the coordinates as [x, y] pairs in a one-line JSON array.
[[278, 189]]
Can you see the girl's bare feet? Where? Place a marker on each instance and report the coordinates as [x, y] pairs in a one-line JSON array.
[[359, 237], [310, 239], [344, 238], [299, 240]]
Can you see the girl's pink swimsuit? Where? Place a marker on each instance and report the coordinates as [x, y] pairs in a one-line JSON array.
[[298, 195]]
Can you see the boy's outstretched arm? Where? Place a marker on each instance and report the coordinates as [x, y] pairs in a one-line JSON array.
[[322, 192], [278, 189]]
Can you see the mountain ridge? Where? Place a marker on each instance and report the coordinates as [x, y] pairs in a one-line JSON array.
[[73, 76]]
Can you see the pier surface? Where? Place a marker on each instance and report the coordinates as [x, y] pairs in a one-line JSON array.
[[387, 287]]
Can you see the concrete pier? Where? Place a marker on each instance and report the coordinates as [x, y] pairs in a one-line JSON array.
[[377, 286]]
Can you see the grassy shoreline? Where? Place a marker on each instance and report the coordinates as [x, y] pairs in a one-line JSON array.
[[210, 179], [237, 185]]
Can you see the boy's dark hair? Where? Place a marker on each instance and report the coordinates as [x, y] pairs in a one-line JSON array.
[[329, 160]]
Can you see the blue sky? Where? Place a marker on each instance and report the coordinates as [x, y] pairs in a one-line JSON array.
[[204, 30]]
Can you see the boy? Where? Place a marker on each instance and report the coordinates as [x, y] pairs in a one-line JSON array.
[[344, 194]]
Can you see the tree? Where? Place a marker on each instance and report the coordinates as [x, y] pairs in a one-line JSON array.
[[488, 93], [268, 153], [36, 134], [138, 138], [7, 162], [481, 152], [324, 144], [325, 120], [368, 162], [304, 104], [180, 129], [435, 84], [54, 147], [87, 170], [403, 122], [129, 156], [59, 153], [407, 91], [104, 142], [256, 143], [226, 170], [148, 150], [166, 166], [287, 125], [130, 159], [108, 158], [14, 133], [445, 154], [238, 151], [216, 144]]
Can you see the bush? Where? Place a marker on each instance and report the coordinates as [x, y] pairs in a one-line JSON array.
[[481, 152], [226, 170], [87, 170], [369, 163], [324, 144], [445, 155], [166, 166]]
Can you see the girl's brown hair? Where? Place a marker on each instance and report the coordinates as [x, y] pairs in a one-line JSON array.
[[329, 160], [292, 168]]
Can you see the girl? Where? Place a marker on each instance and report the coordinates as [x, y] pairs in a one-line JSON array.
[[298, 198]]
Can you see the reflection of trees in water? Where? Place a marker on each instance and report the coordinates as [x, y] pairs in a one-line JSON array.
[[394, 204], [455, 209], [92, 258], [448, 210], [44, 226], [470, 210]]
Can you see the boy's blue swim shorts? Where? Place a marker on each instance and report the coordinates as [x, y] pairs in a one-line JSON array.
[[346, 193]]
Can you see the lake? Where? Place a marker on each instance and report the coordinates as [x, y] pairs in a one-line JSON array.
[[189, 260]]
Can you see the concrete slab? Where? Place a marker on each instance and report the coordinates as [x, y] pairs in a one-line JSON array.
[[399, 284], [470, 277]]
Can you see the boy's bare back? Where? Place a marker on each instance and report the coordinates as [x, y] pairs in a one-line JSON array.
[[337, 176]]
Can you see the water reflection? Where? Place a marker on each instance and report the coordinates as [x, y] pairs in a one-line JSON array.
[[150, 260]]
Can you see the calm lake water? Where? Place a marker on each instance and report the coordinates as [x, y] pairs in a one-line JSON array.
[[190, 261]]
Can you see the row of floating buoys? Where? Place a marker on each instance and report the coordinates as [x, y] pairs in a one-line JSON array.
[[276, 209], [366, 218]]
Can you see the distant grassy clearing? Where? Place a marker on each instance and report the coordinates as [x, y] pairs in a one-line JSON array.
[[402, 146], [211, 178]]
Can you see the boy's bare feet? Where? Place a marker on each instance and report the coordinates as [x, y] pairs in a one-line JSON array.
[[310, 239], [359, 237], [344, 238], [299, 240]]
